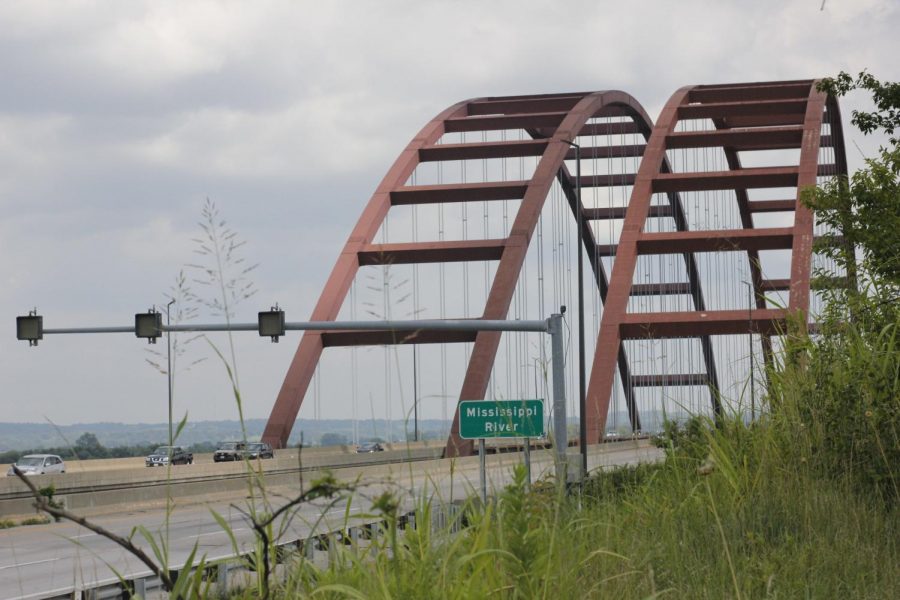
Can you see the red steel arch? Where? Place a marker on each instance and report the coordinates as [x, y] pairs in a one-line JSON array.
[[746, 117], [552, 121]]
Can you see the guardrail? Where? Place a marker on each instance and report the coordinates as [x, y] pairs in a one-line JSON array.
[[225, 571]]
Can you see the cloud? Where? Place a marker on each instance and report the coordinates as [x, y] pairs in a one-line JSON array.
[[118, 119]]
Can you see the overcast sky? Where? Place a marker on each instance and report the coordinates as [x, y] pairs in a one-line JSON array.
[[118, 119]]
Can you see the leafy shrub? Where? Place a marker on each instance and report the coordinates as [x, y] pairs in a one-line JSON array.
[[620, 482], [838, 407], [687, 440]]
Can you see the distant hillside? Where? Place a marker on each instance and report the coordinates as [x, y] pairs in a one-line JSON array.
[[28, 436], [21, 436]]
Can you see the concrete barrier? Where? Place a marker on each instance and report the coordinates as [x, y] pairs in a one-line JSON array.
[[137, 462], [93, 489]]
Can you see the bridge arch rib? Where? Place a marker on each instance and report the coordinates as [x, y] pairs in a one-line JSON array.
[[707, 132], [551, 121]]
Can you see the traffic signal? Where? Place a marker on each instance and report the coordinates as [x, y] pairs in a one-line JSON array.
[[148, 325]]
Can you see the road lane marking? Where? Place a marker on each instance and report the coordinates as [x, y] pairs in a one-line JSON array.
[[342, 511], [35, 562], [199, 535]]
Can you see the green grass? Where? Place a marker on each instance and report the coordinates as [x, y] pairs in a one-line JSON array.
[[9, 523], [749, 529]]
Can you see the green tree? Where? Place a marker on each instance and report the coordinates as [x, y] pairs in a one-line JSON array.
[[863, 211], [88, 446], [839, 393]]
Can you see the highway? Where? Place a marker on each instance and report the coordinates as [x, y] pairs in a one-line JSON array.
[[43, 561]]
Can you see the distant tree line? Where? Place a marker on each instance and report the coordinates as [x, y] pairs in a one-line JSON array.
[[87, 447]]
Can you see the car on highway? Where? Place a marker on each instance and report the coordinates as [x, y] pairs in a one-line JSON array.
[[39, 464], [259, 450], [229, 451], [162, 455], [369, 447]]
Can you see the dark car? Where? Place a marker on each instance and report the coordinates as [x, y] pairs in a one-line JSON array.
[[230, 451], [368, 447], [259, 450], [164, 454]]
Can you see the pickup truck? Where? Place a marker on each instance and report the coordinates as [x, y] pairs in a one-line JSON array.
[[162, 455]]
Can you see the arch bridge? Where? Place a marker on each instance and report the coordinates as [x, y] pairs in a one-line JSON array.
[[697, 247]]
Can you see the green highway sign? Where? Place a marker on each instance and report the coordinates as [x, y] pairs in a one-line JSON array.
[[501, 418]]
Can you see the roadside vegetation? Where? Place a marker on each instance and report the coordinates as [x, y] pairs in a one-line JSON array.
[[757, 525]]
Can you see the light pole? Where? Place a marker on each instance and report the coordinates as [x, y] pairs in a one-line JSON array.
[[750, 348], [271, 323], [169, 365], [582, 403]]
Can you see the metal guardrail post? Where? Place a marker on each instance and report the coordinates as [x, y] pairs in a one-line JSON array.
[[354, 539], [222, 576], [139, 587]]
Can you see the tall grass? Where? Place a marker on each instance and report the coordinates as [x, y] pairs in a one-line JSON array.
[[801, 504], [754, 527], [837, 406]]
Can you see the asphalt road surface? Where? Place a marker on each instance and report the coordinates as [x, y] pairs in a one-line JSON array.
[[45, 560]]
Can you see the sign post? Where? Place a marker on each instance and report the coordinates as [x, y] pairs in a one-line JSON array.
[[480, 419], [528, 463]]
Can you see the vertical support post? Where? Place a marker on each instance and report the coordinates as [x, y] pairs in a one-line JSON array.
[[482, 469], [331, 543], [415, 398], [169, 371], [750, 348], [528, 464], [750, 336], [139, 588], [560, 437], [582, 408], [221, 578]]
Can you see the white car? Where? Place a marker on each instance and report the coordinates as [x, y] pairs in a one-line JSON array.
[[39, 464]]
